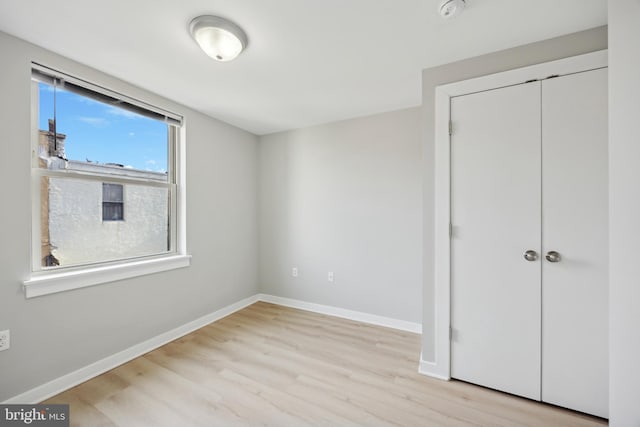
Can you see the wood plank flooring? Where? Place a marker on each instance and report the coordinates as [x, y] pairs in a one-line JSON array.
[[268, 365]]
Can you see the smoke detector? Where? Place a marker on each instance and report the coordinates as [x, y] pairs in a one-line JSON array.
[[451, 8]]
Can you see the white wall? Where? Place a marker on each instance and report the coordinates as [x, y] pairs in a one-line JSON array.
[[345, 197], [547, 50], [78, 235], [624, 211], [57, 334]]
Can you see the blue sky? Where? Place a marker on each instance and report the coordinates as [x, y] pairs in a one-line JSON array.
[[103, 133]]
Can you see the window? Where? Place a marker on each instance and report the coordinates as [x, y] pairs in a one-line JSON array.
[[112, 202], [96, 152]]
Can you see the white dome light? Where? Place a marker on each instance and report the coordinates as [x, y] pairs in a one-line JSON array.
[[451, 8], [219, 38]]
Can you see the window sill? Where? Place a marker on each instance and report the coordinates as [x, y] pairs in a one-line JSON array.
[[51, 282]]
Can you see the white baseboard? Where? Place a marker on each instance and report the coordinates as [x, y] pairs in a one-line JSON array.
[[359, 316], [65, 382], [432, 369]]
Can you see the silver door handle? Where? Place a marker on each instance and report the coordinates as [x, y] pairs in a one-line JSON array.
[[530, 255], [553, 256]]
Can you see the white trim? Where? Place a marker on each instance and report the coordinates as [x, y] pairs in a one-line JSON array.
[[36, 192], [50, 282], [441, 294], [571, 65], [65, 382], [359, 316], [180, 162], [430, 369], [440, 367]]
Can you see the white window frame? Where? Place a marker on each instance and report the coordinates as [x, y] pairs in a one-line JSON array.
[[43, 281]]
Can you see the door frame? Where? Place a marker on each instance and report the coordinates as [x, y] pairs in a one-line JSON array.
[[441, 366]]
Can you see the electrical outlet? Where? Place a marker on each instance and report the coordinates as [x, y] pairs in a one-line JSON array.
[[5, 340], [294, 272], [330, 276]]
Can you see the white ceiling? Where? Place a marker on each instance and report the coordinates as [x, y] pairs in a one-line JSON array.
[[308, 61]]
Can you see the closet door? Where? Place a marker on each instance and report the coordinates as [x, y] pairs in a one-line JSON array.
[[495, 214], [575, 224]]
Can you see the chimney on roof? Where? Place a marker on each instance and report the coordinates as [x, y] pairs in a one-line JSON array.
[[56, 141]]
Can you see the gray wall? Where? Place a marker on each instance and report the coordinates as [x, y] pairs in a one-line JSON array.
[[56, 334], [548, 50], [624, 198], [345, 197], [353, 197]]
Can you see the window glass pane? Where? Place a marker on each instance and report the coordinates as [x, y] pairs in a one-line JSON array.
[[112, 192], [112, 211], [99, 137], [106, 175], [73, 232]]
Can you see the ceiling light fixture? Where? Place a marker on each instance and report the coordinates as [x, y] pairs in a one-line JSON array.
[[219, 38], [451, 8]]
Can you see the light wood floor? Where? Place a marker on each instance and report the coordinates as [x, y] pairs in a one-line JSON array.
[[277, 366]]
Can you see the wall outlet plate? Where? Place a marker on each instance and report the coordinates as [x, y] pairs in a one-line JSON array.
[[5, 340], [294, 272], [330, 276]]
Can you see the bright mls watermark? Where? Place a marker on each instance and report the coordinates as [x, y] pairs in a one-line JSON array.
[[34, 415]]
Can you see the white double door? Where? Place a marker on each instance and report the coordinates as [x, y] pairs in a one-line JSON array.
[[529, 176]]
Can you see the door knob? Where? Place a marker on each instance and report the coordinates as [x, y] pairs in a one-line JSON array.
[[553, 256], [530, 255]]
